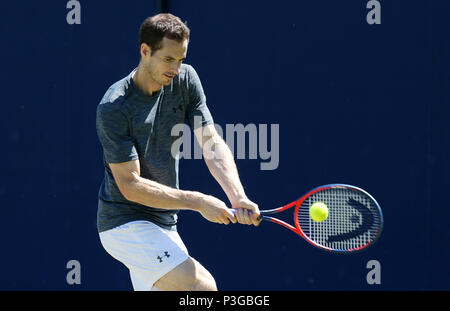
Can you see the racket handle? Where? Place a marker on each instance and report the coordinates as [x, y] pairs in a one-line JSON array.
[[260, 217]]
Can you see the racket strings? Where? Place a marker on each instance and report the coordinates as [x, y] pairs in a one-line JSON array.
[[352, 222]]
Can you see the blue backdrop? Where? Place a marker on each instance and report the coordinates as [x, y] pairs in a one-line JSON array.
[[356, 103]]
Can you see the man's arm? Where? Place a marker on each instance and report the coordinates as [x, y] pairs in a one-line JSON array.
[[220, 162], [150, 193]]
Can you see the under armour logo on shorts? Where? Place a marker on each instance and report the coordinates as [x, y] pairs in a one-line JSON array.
[[166, 254]]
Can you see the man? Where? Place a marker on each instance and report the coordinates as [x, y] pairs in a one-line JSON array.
[[139, 197]]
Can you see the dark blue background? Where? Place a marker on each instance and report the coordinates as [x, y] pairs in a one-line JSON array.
[[360, 104]]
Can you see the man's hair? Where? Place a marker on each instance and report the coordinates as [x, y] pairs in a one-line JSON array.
[[155, 28]]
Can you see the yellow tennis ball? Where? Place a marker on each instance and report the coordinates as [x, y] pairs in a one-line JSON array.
[[318, 211]]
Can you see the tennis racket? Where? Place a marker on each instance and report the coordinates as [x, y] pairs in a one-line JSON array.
[[354, 221]]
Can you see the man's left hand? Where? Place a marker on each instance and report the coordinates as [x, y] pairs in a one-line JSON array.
[[247, 212]]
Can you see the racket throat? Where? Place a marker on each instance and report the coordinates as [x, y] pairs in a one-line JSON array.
[[284, 224]]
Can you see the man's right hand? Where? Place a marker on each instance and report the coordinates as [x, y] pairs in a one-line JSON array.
[[215, 210]]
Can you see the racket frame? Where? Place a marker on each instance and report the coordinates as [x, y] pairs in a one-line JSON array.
[[297, 228]]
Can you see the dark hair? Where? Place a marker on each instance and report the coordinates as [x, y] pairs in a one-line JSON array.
[[155, 28]]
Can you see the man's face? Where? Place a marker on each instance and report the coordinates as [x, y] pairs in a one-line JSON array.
[[165, 63]]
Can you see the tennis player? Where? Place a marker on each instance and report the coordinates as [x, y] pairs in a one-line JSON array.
[[139, 197]]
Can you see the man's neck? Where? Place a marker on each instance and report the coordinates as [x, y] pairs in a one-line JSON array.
[[144, 82]]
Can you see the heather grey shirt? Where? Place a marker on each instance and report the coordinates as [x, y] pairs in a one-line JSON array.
[[132, 125]]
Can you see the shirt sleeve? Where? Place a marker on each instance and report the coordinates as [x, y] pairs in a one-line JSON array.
[[198, 113], [114, 134]]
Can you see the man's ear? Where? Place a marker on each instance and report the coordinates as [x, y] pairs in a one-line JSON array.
[[145, 50]]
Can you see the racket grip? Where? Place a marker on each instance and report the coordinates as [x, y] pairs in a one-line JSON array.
[[260, 217]]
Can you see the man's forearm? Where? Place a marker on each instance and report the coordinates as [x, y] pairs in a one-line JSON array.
[[153, 194], [220, 162]]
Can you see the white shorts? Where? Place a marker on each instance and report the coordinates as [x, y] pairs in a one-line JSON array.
[[147, 250]]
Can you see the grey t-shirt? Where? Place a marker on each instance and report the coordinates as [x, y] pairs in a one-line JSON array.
[[133, 125]]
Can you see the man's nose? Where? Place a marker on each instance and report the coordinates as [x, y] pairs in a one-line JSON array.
[[175, 68]]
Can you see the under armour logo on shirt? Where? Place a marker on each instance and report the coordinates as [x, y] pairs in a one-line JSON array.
[[166, 254], [180, 107]]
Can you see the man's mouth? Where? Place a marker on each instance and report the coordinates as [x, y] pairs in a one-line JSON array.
[[169, 76]]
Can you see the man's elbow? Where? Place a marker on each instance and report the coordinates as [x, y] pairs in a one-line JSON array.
[[216, 153], [128, 189]]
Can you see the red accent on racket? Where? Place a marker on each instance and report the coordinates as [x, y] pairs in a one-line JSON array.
[[354, 221]]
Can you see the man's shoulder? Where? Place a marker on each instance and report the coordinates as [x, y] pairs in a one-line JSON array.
[[116, 94], [187, 77], [185, 68], [187, 72]]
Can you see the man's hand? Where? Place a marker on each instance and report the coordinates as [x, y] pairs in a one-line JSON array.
[[247, 212], [215, 210]]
